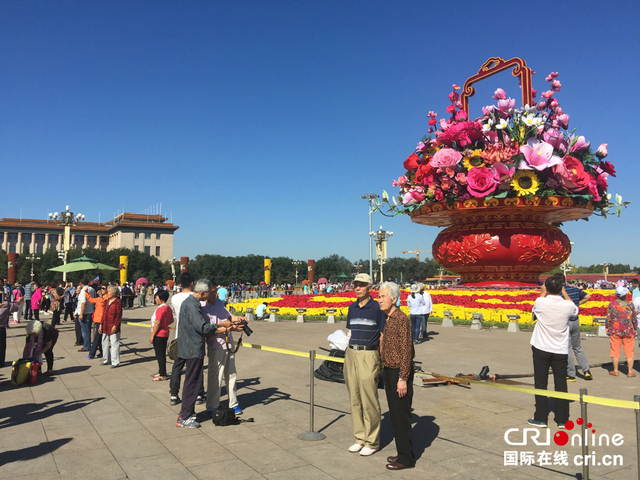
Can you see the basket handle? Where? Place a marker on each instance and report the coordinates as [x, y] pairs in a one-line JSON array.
[[496, 65]]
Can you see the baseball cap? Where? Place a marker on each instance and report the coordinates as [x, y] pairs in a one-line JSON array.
[[363, 277]]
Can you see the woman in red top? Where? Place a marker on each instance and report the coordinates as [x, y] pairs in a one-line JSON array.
[[160, 321], [99, 303], [110, 327]]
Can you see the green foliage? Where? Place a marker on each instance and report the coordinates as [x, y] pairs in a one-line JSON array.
[[140, 265]]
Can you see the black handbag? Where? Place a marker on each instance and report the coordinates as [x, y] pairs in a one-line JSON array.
[[223, 416]]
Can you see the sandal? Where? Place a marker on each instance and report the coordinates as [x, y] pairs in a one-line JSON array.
[[613, 373], [632, 374], [159, 379]]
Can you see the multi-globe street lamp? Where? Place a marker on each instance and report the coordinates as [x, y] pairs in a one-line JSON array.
[[66, 220], [32, 258], [370, 197], [381, 237], [297, 264]]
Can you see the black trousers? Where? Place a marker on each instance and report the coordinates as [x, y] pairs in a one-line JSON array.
[[160, 347], [3, 345], [193, 382], [79, 339], [55, 320], [558, 362], [49, 353], [174, 381], [36, 313], [97, 341], [400, 413], [27, 309], [68, 310]]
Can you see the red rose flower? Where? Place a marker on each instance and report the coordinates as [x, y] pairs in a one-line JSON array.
[[462, 133], [608, 167], [412, 162], [572, 175], [425, 174]]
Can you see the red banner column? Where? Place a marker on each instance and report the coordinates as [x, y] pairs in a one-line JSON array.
[[11, 268], [184, 264], [312, 270]]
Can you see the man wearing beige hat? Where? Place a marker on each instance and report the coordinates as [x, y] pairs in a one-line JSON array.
[[362, 367]]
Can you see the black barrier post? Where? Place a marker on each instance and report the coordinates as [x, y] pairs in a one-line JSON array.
[[637, 399], [583, 414], [311, 435]]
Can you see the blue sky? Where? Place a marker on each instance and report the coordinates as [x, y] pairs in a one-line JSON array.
[[258, 125]]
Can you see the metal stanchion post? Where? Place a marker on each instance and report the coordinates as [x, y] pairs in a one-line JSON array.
[[311, 435], [636, 398], [583, 414]]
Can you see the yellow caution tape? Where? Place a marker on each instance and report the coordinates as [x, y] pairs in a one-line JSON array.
[[607, 402], [138, 324]]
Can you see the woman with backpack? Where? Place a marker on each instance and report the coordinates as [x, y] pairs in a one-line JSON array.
[[41, 338]]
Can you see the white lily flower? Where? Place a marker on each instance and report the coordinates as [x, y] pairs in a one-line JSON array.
[[502, 124]]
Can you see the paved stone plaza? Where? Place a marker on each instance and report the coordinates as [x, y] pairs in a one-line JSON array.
[[93, 422]]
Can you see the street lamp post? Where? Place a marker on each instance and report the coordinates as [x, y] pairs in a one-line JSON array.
[[605, 270], [370, 197], [358, 267], [296, 263], [32, 258], [381, 237], [66, 220]]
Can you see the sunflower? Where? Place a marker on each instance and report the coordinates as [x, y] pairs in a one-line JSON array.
[[473, 161], [525, 182]]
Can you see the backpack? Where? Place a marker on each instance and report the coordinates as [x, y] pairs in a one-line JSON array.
[[24, 371], [223, 416]]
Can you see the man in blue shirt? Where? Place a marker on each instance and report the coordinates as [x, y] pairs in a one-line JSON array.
[[362, 367], [578, 297], [222, 294]]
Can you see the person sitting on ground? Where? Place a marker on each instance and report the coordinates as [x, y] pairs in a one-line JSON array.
[[160, 321], [41, 338], [622, 327], [261, 311]]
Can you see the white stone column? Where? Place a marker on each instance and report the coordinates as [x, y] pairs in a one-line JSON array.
[[46, 243], [19, 244], [5, 240]]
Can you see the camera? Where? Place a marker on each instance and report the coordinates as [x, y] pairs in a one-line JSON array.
[[246, 329]]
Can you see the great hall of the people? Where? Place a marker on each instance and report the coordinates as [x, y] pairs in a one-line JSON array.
[[146, 233]]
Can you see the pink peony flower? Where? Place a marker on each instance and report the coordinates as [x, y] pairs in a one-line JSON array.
[[451, 108], [602, 151], [439, 195], [539, 155], [499, 94], [572, 175], [461, 116], [556, 86], [403, 180], [432, 121], [481, 181], [445, 157], [581, 144], [462, 133]]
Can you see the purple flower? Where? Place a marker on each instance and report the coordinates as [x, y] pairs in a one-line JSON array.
[[506, 104], [563, 120], [556, 139]]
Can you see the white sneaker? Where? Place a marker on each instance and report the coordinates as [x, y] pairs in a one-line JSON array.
[[366, 451], [355, 448]]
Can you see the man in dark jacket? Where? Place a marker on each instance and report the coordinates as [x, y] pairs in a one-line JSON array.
[[192, 330]]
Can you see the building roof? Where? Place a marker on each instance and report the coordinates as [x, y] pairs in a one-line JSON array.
[[122, 221]]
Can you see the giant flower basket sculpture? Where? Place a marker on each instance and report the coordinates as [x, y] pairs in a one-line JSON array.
[[502, 183]]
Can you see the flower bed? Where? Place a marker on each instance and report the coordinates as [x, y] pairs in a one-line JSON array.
[[495, 305]]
